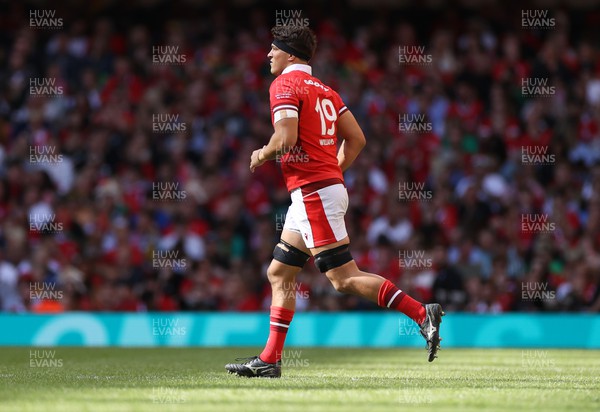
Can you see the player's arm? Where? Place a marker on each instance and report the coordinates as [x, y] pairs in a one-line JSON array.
[[354, 139], [281, 142]]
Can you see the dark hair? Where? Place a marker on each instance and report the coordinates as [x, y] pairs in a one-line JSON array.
[[301, 38]]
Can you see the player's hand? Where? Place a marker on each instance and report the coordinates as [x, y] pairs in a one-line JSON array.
[[255, 161]]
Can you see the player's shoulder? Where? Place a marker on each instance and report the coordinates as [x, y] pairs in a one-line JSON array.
[[318, 85], [297, 84], [282, 85], [287, 80], [318, 88]]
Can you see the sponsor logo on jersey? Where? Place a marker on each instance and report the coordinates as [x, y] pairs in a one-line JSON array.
[[316, 84]]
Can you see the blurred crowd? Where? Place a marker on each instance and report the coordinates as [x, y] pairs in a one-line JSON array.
[[146, 202]]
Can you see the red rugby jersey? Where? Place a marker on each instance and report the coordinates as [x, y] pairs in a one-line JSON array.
[[314, 156]]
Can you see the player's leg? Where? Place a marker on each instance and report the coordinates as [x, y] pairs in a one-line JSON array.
[[336, 262], [323, 227], [289, 256]]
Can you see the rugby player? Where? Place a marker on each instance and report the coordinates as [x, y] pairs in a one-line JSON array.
[[309, 117]]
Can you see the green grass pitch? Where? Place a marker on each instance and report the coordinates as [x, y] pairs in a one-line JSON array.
[[193, 379]]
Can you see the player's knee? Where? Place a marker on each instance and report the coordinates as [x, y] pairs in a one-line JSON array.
[[276, 273], [340, 281], [284, 256], [330, 262]]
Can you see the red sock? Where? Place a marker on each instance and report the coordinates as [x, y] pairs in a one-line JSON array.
[[280, 322], [390, 296]]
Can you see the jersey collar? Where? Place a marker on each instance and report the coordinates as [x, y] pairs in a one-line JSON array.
[[298, 66]]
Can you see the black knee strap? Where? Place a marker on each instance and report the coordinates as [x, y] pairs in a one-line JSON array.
[[333, 258], [290, 255]]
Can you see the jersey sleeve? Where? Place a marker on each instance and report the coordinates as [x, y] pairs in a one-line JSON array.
[[284, 99], [339, 104]]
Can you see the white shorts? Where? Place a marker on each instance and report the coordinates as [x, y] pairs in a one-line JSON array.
[[318, 215]]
